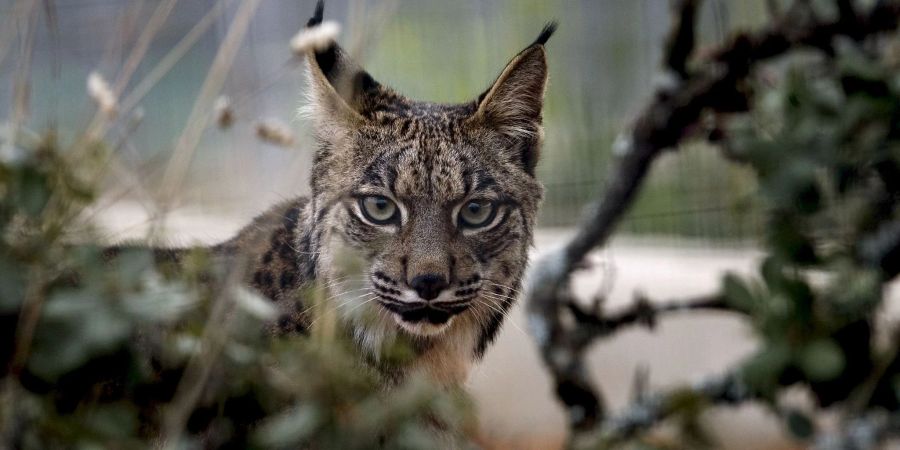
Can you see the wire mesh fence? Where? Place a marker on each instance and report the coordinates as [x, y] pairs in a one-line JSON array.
[[603, 65]]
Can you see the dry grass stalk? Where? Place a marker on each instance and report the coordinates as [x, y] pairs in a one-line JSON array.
[[22, 80], [200, 366], [100, 122], [21, 10], [198, 118], [159, 17], [172, 57]]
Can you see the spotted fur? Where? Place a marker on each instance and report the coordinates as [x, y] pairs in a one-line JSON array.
[[428, 159]]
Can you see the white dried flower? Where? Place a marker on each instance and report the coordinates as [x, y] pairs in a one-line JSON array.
[[100, 92], [223, 112], [275, 132], [315, 38]]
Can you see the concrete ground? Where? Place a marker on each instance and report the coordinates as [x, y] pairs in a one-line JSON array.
[[514, 393]]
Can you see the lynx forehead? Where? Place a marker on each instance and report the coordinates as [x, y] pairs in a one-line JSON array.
[[438, 202]]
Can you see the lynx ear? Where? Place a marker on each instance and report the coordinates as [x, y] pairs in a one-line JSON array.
[[512, 105], [340, 91]]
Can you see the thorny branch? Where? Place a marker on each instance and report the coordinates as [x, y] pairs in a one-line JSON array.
[[672, 114], [650, 409], [643, 312]]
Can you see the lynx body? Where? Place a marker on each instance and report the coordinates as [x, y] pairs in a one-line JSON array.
[[438, 202]]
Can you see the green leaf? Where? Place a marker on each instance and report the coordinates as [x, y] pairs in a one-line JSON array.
[[118, 420], [158, 300], [799, 424], [763, 368], [133, 262], [821, 360], [852, 61], [75, 326], [771, 270], [789, 242], [737, 294], [855, 292], [290, 428]]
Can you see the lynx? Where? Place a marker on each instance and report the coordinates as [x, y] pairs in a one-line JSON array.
[[436, 201]]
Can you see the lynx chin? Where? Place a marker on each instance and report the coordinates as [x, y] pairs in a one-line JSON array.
[[435, 202]]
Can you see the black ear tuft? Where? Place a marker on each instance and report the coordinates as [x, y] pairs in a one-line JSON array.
[[548, 31], [342, 94], [317, 17], [327, 58]]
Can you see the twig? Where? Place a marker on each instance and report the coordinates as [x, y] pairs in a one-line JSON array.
[[642, 312], [548, 288], [652, 409], [29, 316], [681, 41], [200, 366]]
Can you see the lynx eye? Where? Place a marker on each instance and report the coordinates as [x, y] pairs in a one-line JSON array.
[[379, 210], [477, 213]]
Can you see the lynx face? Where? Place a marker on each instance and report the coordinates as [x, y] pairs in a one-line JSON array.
[[444, 220], [438, 201]]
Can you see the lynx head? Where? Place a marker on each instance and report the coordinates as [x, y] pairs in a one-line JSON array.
[[439, 200]]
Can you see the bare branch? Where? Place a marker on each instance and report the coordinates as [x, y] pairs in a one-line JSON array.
[[672, 115], [560, 348], [681, 42], [652, 409], [675, 109], [642, 312]]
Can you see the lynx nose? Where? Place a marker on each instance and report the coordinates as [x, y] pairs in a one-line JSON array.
[[428, 286]]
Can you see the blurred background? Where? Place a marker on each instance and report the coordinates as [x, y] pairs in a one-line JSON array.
[[694, 220], [603, 62]]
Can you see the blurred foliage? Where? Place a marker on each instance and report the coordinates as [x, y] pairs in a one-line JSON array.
[[135, 352], [824, 141], [602, 62]]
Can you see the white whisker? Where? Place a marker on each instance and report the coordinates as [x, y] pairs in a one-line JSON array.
[[500, 297], [332, 297], [513, 290], [344, 304], [505, 314], [369, 300]]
